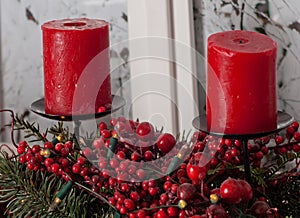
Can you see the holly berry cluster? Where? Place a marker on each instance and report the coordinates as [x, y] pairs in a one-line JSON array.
[[142, 172]]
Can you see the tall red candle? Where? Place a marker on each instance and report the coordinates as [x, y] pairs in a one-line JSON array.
[[241, 83], [76, 66]]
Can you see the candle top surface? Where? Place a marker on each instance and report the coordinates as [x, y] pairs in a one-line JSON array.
[[241, 41], [74, 24]]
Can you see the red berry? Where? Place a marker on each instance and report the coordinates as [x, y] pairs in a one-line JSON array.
[[36, 149], [259, 209], [28, 156], [173, 211], [105, 133], [279, 139], [121, 155], [48, 145], [102, 126], [98, 143], [81, 160], [193, 172], [186, 191], [148, 155], [258, 155], [55, 167], [231, 191], [297, 136], [161, 214], [141, 214], [140, 173], [69, 145], [21, 149], [165, 142], [145, 131], [123, 210], [216, 211], [58, 147], [64, 152], [295, 125], [228, 142], [129, 204], [135, 156], [30, 166], [167, 185], [247, 191], [153, 191], [48, 162], [114, 163], [135, 196], [87, 152], [76, 168], [22, 159], [163, 198], [113, 121], [290, 130], [296, 148]]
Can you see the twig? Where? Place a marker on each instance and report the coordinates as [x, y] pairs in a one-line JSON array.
[[12, 126]]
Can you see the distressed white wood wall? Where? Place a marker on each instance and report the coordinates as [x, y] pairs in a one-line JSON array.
[[21, 45], [283, 27]]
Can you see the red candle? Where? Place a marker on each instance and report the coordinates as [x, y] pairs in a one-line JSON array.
[[241, 83], [76, 66]]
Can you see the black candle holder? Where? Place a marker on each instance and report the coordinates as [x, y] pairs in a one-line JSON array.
[[283, 121], [38, 107]]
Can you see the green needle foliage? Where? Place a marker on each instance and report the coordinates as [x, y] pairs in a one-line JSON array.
[[30, 194]]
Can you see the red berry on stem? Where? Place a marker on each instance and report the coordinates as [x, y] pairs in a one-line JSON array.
[[279, 139], [145, 131], [21, 149], [186, 191], [48, 145], [58, 146], [247, 191], [81, 160], [69, 145], [297, 136], [55, 167], [165, 142], [173, 211], [231, 191], [76, 168], [295, 125], [36, 149]]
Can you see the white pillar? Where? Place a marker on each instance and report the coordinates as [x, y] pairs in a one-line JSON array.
[[162, 63]]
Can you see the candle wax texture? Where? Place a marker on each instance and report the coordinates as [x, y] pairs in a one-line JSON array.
[[76, 66], [241, 83]]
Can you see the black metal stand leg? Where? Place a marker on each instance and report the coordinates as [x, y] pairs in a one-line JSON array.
[[76, 128], [246, 161]]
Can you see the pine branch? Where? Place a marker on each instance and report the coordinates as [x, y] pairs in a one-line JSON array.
[[30, 194], [31, 129]]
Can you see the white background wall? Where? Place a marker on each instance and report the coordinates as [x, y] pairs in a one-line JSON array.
[[21, 49], [21, 44], [224, 15]]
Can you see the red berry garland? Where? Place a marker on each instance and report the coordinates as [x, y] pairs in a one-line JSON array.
[[205, 183]]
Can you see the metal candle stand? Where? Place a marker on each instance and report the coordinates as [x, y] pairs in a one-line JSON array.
[[283, 121], [38, 107]]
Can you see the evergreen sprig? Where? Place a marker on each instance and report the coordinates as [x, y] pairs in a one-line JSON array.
[[30, 194], [30, 129]]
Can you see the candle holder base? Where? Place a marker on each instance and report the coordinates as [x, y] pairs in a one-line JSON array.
[[283, 121], [38, 107]]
